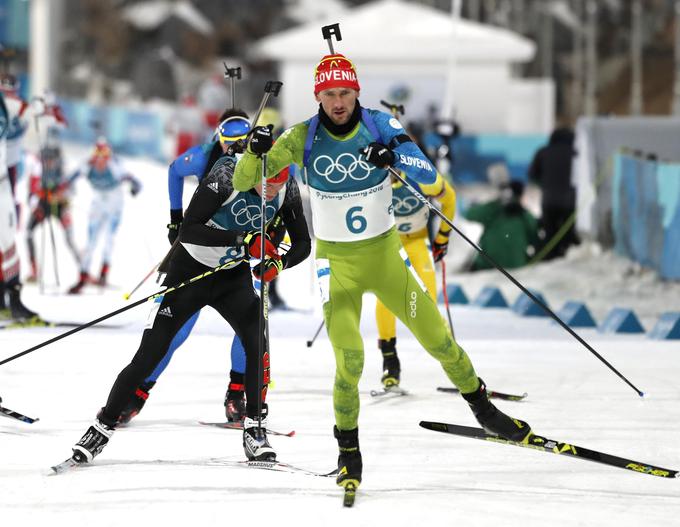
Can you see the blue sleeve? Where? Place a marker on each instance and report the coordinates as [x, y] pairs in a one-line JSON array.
[[190, 163], [409, 158]]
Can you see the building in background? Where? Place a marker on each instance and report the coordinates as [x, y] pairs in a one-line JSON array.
[[401, 50]]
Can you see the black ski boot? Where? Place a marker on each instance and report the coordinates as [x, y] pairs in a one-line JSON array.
[[391, 366], [18, 311], [492, 419], [103, 275], [349, 460], [235, 406], [93, 442], [234, 400], [255, 442], [136, 402], [84, 279]]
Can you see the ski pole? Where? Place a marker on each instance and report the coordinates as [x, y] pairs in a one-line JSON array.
[[310, 343], [48, 195], [185, 283], [328, 32], [395, 109], [233, 74], [446, 297], [127, 296], [264, 291], [41, 272], [270, 88], [533, 297], [53, 243]]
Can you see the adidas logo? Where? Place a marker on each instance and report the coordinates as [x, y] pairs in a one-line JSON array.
[[166, 312], [213, 186]]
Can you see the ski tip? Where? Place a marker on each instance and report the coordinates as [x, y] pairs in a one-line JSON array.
[[434, 426]]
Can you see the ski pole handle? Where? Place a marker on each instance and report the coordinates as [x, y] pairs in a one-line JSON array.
[[329, 32], [395, 109], [233, 74], [270, 88]]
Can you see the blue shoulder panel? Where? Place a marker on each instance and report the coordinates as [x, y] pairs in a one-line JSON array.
[[312, 125], [410, 158], [190, 163]]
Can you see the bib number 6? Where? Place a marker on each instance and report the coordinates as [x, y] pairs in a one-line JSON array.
[[356, 223]]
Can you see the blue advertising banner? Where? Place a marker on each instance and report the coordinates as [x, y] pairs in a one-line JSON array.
[[646, 213], [473, 154]]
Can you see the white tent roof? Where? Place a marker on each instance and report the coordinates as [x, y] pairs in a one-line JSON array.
[[392, 30]]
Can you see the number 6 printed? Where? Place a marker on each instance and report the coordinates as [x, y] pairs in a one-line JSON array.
[[356, 223]]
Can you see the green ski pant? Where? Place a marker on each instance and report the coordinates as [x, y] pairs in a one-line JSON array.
[[346, 271]]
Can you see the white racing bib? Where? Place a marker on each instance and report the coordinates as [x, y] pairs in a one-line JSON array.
[[413, 222], [155, 305], [216, 256], [352, 216]]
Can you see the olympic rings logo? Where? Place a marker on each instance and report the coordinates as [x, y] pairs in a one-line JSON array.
[[249, 214], [339, 169], [406, 205]]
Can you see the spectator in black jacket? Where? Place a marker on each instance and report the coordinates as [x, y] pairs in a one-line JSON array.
[[551, 171]]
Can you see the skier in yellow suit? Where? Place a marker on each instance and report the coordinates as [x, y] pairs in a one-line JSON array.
[[411, 216]]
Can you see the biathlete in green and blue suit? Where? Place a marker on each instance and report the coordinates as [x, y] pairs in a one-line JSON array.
[[345, 150]]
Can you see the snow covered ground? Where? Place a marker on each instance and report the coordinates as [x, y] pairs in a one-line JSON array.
[[164, 468]]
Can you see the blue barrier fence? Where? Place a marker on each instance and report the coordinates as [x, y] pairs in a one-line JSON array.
[[646, 213], [473, 154]]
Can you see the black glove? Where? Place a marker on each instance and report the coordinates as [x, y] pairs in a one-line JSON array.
[[176, 218], [261, 139], [378, 154], [440, 246]]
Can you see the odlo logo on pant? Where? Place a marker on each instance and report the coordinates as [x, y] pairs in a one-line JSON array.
[[412, 304]]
